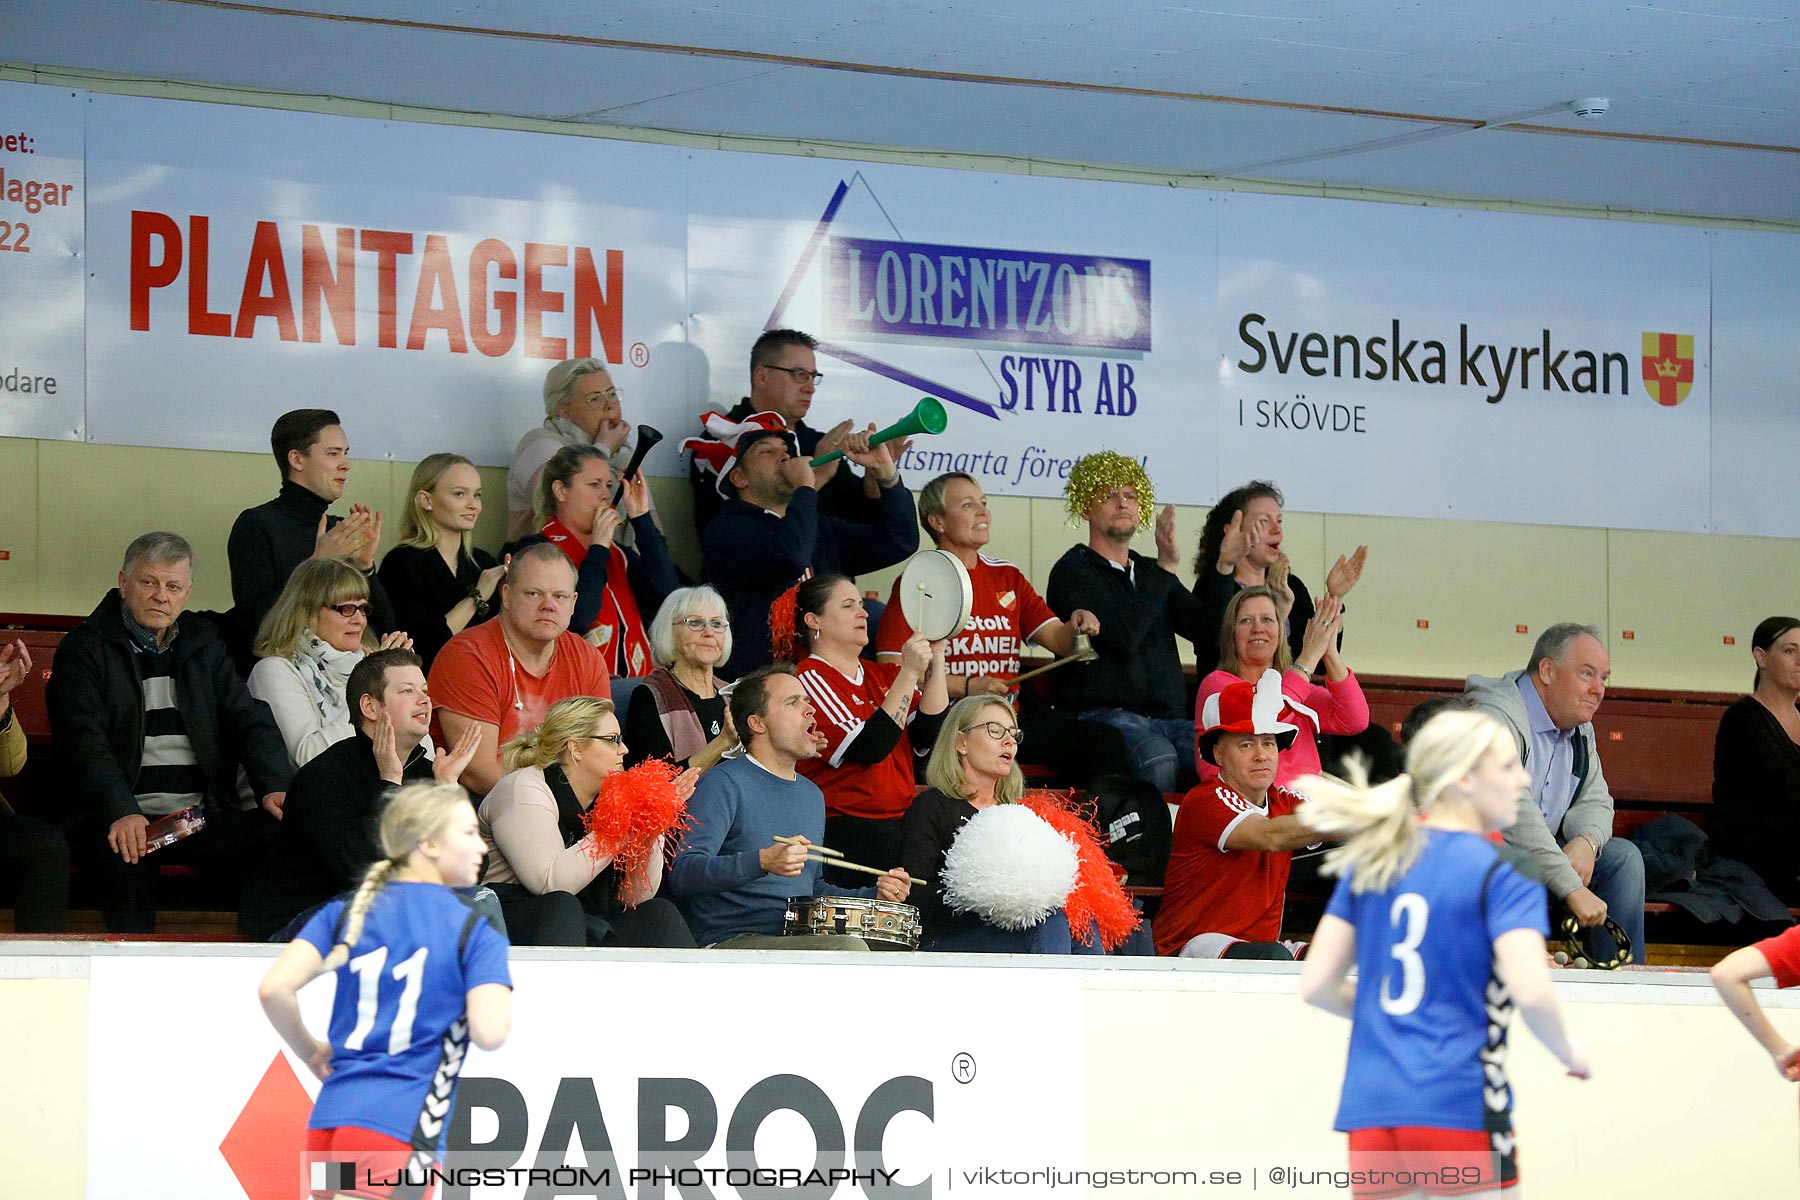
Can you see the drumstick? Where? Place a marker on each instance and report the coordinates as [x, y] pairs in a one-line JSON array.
[[794, 841], [850, 866]]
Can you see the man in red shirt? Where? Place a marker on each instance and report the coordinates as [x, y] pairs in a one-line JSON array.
[[984, 657], [1235, 837], [502, 676]]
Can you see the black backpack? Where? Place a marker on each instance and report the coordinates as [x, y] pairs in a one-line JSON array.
[[1134, 821]]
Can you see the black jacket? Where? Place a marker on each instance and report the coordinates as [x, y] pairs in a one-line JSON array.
[[267, 543], [328, 836], [1139, 668], [96, 703], [752, 556]]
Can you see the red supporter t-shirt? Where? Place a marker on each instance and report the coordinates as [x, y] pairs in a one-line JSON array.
[[475, 675], [1783, 953], [883, 790], [1209, 889], [1006, 612]]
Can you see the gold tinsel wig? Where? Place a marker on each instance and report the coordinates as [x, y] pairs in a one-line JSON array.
[[1094, 476]]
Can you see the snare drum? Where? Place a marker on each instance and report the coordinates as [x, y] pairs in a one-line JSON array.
[[884, 924]]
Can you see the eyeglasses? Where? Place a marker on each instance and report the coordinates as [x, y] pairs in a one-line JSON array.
[[697, 624], [349, 610], [801, 374], [1000, 732], [615, 740], [609, 396]]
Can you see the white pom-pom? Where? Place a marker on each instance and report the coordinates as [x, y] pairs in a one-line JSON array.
[[1009, 867]]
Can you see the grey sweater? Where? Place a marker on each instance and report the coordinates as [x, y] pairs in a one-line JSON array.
[[1590, 813]]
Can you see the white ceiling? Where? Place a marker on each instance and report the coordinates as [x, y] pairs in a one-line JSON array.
[[1705, 94]]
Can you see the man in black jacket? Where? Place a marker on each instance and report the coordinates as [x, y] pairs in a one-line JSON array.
[[150, 719], [270, 540], [328, 835], [1136, 684], [772, 533]]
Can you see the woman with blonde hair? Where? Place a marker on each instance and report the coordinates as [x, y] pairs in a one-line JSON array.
[[680, 712], [616, 584], [438, 580], [419, 976], [974, 766], [1447, 937], [557, 886], [310, 641], [1251, 643]]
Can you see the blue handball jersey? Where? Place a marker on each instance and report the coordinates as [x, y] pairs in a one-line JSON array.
[[1428, 1042], [398, 996]]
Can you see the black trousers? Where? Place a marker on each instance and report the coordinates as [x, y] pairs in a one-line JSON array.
[[560, 919], [34, 871], [1077, 751], [234, 845], [862, 840]]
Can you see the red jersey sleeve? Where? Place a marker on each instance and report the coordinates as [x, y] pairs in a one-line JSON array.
[[841, 706], [1783, 953], [1034, 613], [893, 631], [1216, 811]]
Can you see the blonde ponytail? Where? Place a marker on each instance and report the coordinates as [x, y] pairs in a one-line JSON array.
[[568, 720], [1380, 824]]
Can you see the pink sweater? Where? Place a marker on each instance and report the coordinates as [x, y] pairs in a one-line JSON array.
[[1335, 708]]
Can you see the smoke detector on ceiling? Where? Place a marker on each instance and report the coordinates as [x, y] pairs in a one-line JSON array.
[[1590, 108]]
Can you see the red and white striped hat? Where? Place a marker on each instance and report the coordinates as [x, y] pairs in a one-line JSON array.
[[716, 451]]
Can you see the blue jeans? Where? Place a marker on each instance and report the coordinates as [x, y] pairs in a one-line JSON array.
[[1619, 880], [1159, 747]]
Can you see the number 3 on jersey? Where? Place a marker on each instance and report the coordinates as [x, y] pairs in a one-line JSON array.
[[1408, 916], [410, 973]]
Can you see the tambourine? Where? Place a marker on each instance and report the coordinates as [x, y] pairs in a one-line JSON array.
[[936, 597], [1572, 934]]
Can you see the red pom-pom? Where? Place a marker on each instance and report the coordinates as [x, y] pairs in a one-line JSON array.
[[781, 623], [633, 809], [1098, 901]]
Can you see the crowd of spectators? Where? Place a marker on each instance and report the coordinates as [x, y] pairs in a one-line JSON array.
[[260, 745]]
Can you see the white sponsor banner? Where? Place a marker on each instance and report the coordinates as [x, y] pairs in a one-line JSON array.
[[1476, 366], [803, 1066], [420, 279], [1426, 362], [42, 199], [1053, 317]]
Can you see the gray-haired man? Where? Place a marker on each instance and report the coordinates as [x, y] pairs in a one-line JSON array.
[[1549, 709], [150, 719]]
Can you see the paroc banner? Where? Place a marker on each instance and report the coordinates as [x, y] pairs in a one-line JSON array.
[[42, 206], [625, 1079]]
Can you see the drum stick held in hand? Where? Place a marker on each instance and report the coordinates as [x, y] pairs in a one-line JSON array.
[[794, 841], [916, 881]]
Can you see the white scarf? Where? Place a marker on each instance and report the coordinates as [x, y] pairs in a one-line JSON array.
[[326, 670]]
